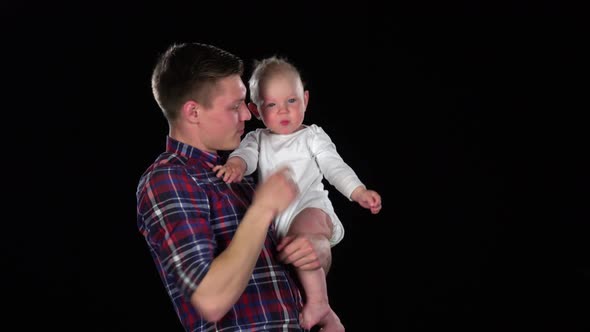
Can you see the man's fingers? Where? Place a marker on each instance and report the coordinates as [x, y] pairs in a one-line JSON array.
[[287, 172], [285, 241], [288, 254], [299, 255], [310, 266]]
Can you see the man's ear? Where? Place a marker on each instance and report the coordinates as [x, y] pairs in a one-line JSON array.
[[252, 107], [190, 111]]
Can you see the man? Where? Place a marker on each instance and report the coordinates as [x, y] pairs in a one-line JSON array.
[[213, 243]]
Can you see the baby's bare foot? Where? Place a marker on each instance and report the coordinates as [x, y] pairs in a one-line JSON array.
[[313, 312], [331, 323]]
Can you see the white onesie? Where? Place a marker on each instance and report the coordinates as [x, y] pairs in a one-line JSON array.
[[311, 155]]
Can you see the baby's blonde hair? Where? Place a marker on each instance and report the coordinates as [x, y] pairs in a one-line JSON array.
[[265, 69]]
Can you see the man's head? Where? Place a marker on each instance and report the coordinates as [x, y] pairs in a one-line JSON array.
[[189, 71], [201, 93]]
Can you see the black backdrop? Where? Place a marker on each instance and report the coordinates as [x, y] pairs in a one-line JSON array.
[[466, 117]]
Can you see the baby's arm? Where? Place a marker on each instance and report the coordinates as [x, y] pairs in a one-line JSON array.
[[340, 174], [232, 171], [369, 199]]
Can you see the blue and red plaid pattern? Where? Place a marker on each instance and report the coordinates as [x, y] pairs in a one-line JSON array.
[[188, 216]]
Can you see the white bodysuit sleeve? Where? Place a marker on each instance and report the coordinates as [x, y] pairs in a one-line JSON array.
[[335, 170], [248, 151]]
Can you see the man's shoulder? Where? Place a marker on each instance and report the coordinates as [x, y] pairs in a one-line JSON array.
[[172, 172], [167, 161], [166, 164]]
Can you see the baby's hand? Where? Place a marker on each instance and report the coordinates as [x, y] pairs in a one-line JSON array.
[[232, 171], [369, 199]]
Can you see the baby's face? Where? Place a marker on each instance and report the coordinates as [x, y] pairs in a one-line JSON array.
[[284, 103]]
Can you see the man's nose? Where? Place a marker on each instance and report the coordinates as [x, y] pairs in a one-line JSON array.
[[245, 113]]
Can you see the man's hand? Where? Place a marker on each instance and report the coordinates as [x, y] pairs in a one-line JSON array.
[[309, 252], [277, 192]]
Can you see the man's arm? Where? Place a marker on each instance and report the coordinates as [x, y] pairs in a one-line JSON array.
[[230, 272]]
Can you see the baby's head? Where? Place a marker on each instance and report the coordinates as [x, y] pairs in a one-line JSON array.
[[278, 95]]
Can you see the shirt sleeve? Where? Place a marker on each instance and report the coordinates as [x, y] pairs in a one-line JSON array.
[[249, 151], [335, 170], [176, 226]]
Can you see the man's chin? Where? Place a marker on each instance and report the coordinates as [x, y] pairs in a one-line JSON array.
[[233, 145]]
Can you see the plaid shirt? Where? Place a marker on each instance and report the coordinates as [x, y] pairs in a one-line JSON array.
[[188, 216]]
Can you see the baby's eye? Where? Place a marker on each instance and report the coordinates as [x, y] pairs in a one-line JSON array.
[[270, 105], [292, 100]]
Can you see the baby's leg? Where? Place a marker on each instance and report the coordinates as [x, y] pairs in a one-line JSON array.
[[313, 221]]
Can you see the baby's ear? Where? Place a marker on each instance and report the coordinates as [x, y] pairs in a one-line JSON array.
[[252, 107]]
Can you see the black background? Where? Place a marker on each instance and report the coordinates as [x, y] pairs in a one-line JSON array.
[[467, 117]]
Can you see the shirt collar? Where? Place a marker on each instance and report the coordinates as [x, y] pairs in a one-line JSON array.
[[190, 152]]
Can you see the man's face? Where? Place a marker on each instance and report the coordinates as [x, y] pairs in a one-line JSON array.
[[222, 124]]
